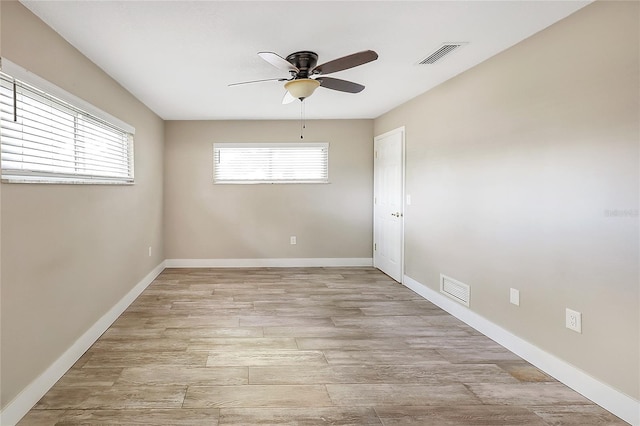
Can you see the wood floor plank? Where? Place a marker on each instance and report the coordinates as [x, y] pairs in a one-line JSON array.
[[310, 310], [421, 331], [117, 333], [241, 343], [351, 343], [272, 357], [377, 322], [459, 415], [148, 417], [527, 394], [381, 374], [400, 394], [105, 359], [135, 344], [384, 357], [476, 355], [576, 415], [525, 372], [185, 321], [42, 418], [321, 331], [94, 377], [184, 375], [398, 308], [257, 396], [274, 320], [211, 305], [112, 398], [206, 332], [309, 416], [300, 346]]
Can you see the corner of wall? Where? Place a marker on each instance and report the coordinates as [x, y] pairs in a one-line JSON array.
[[29, 396]]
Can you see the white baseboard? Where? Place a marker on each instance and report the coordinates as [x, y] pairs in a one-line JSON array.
[[30, 395], [268, 263], [618, 403]]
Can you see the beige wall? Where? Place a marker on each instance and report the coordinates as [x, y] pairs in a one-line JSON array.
[[70, 252], [513, 168], [207, 221]]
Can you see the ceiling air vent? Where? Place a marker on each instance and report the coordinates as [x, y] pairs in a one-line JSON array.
[[456, 290], [440, 53]]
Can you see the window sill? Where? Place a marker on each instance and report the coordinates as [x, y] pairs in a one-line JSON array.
[[49, 181]]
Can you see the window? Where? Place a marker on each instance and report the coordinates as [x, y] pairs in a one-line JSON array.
[[45, 138], [271, 162]]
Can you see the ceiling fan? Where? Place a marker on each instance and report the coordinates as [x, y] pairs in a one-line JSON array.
[[305, 76]]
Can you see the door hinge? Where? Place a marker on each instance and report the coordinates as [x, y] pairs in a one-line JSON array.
[[375, 247]]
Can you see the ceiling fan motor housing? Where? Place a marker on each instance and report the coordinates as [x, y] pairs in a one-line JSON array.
[[305, 61]]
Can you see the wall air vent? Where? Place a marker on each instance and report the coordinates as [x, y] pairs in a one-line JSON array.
[[440, 53], [455, 289]]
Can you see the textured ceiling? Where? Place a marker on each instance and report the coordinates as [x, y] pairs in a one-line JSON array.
[[178, 57]]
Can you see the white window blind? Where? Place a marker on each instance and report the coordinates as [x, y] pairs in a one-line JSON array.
[[270, 162], [45, 139]]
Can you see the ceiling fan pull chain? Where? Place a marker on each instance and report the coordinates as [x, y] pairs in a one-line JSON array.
[[303, 124]]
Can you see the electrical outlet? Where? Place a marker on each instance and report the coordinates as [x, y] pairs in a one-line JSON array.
[[514, 296], [574, 320], [293, 240]]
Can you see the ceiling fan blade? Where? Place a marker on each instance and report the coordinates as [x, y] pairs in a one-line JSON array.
[[340, 85], [258, 81], [278, 61], [288, 98], [346, 62]]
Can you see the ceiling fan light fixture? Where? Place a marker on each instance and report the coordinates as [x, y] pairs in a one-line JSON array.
[[301, 88]]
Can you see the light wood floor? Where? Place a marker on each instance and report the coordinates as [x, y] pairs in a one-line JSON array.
[[309, 346]]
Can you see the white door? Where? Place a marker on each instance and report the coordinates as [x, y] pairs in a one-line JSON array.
[[388, 195]]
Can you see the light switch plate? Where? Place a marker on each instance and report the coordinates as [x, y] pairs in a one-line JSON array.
[[514, 296]]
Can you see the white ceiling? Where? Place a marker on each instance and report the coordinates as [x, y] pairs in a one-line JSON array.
[[178, 57]]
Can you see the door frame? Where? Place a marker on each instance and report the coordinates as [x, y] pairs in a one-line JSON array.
[[402, 132]]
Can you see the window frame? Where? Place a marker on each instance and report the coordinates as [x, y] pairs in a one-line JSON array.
[[324, 146], [85, 152]]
